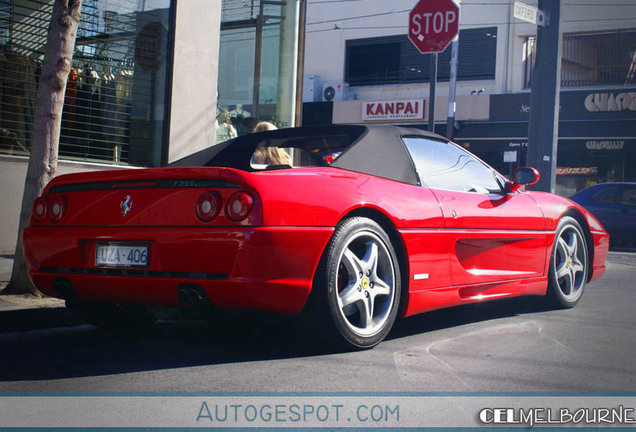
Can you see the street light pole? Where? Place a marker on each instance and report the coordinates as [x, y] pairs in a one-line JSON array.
[[543, 128], [431, 92], [452, 89]]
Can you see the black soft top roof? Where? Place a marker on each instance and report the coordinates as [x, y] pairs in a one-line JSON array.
[[371, 149]]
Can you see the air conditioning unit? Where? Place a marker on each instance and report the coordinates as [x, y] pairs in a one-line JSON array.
[[334, 91], [312, 90]]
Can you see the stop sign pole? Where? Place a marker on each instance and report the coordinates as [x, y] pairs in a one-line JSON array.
[[432, 26], [431, 92]]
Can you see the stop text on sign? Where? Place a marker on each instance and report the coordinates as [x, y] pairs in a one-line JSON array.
[[438, 22], [433, 24]]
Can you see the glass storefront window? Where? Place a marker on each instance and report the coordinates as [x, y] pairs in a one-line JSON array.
[[116, 94], [584, 163], [257, 65]]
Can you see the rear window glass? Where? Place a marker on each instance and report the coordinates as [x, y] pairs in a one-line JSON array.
[[298, 152], [273, 150]]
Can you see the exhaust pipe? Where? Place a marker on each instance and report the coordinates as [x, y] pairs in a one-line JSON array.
[[64, 288], [184, 295], [193, 295]]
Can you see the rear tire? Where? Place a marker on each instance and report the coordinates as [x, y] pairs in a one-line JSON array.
[[359, 285], [568, 265]]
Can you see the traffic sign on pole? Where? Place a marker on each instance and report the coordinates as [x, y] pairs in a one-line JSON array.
[[529, 14], [433, 24]]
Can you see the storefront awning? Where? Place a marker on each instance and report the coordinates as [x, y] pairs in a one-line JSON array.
[[568, 129]]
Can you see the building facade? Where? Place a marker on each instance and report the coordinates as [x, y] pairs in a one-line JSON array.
[[152, 81], [360, 67]]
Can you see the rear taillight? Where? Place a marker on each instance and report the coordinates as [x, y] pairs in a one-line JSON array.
[[208, 206], [239, 206], [57, 207], [39, 209]]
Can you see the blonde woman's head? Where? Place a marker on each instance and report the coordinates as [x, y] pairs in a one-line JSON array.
[[268, 155], [264, 126]]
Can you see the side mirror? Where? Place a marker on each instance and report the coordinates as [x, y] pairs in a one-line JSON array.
[[524, 176]]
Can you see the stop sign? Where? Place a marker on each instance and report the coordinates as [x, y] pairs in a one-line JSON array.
[[433, 24]]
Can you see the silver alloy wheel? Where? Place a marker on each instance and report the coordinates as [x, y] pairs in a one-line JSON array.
[[569, 262], [366, 281]]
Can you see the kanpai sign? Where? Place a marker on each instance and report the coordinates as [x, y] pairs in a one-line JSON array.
[[410, 109]]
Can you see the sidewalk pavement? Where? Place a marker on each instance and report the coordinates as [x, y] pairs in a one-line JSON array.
[[6, 262], [26, 312]]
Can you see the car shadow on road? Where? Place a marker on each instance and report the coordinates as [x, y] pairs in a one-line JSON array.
[[468, 314], [82, 351]]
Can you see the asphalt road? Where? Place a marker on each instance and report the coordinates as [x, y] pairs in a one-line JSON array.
[[508, 346]]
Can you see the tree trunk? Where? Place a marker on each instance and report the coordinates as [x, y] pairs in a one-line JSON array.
[[58, 58]]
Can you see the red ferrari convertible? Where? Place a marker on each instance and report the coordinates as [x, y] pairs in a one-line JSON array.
[[355, 225]]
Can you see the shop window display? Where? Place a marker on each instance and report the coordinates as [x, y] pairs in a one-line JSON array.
[[257, 66], [115, 97]]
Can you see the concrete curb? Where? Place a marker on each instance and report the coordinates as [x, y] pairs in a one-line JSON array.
[[618, 257], [19, 312], [20, 320]]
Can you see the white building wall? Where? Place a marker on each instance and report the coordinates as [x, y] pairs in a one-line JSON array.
[[331, 24], [194, 83]]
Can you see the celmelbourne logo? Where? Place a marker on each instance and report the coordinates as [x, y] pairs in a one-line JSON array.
[[620, 415]]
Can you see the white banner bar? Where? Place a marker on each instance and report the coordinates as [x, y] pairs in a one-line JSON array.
[[315, 411]]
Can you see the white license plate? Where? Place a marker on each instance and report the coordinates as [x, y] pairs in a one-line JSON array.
[[121, 255]]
